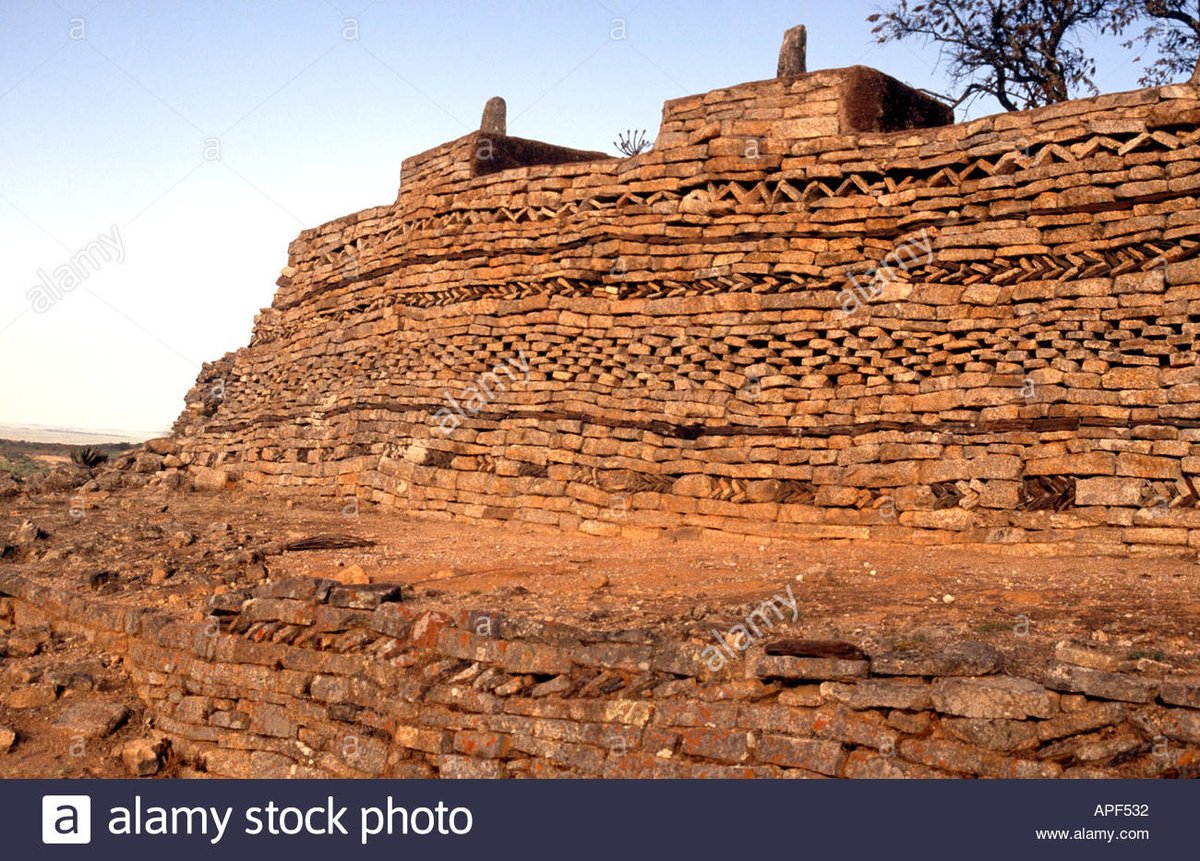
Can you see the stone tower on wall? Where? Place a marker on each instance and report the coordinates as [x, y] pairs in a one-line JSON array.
[[816, 308]]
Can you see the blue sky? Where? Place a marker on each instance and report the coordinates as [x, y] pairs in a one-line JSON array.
[[195, 139]]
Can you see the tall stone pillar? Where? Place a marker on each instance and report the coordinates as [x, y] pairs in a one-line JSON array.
[[793, 55], [495, 117]]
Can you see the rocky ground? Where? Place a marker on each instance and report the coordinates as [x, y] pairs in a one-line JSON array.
[[137, 534]]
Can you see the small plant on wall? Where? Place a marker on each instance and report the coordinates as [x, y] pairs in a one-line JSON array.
[[632, 142]]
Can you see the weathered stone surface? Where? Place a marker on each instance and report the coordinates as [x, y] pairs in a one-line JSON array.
[[693, 485], [465, 768], [793, 54], [272, 720], [162, 445], [209, 479], [803, 695], [912, 723], [1181, 692], [485, 745], [1101, 684], [1091, 716], [555, 686], [730, 746], [27, 533], [614, 656], [26, 642], [822, 757], [993, 697], [1093, 748], [867, 765], [1092, 463], [389, 620], [93, 719], [495, 117], [1182, 725], [1006, 735], [959, 659], [419, 738], [1085, 656], [1109, 491], [962, 758], [365, 597], [898, 693], [142, 757], [351, 575], [148, 462], [677, 659], [31, 696], [832, 669], [296, 588], [536, 658], [285, 610]]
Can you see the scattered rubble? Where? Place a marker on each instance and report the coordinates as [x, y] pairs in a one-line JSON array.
[[142, 757]]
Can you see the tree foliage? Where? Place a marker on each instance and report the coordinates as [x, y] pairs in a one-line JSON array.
[[1025, 53], [1171, 36], [1028, 53]]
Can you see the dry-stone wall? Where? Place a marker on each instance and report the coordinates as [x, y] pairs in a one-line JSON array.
[[814, 309], [309, 678]]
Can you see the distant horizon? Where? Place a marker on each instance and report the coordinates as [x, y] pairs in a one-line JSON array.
[[76, 436]]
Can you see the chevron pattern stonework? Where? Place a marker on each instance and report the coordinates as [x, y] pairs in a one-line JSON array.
[[1023, 370]]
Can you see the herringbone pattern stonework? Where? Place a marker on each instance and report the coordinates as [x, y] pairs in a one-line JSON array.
[[1021, 368]]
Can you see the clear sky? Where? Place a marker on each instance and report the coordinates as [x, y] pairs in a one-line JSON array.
[[184, 144]]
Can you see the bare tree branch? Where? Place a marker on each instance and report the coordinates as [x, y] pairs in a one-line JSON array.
[[1024, 53]]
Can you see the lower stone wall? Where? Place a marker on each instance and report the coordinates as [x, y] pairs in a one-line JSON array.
[[310, 678]]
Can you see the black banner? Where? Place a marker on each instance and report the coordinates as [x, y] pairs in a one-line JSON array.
[[531, 820]]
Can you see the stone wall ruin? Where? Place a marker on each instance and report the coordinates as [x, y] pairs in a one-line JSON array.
[[815, 309]]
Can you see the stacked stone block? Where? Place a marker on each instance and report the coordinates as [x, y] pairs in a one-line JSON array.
[[788, 319], [304, 678]]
